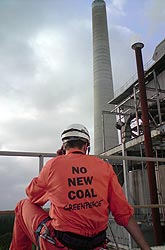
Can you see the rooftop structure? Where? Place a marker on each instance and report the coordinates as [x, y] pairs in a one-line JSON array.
[[128, 108], [129, 111]]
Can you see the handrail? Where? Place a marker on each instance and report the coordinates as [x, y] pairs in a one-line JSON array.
[[40, 155], [25, 153], [132, 79], [149, 206], [104, 156]]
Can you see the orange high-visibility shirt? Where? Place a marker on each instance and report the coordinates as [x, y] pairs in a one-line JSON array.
[[82, 189]]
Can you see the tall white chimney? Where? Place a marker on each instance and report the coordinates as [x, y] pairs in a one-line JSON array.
[[105, 132]]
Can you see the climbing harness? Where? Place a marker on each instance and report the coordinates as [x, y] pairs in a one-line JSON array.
[[70, 240], [76, 242], [45, 234]]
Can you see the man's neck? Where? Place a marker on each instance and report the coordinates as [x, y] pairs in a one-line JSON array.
[[75, 150]]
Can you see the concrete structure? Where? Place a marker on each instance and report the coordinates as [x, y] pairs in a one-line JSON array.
[[159, 51], [105, 133]]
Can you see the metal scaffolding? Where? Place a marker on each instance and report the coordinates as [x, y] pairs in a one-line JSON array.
[[140, 111]]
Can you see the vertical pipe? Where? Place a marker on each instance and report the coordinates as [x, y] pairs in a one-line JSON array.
[[125, 173], [144, 183], [157, 97], [103, 131], [41, 162], [148, 144], [136, 111]]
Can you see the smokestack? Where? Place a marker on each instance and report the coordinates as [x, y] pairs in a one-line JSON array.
[[103, 83]]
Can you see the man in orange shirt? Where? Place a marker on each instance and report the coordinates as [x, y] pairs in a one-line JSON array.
[[82, 190]]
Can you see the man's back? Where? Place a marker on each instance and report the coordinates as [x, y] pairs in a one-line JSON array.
[[77, 186], [82, 189]]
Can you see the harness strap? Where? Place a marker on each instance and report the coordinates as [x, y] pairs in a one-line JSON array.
[[70, 240], [76, 242], [38, 231]]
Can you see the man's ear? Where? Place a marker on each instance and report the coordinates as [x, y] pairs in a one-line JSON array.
[[86, 148], [61, 151]]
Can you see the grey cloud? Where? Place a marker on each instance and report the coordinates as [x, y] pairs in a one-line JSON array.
[[41, 100], [154, 19], [155, 10], [122, 57], [15, 174], [41, 97]]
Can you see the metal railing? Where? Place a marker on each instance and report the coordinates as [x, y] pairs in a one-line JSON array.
[[38, 155], [132, 79], [112, 158]]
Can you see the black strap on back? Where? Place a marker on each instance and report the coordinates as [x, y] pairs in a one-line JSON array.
[[72, 240], [78, 242]]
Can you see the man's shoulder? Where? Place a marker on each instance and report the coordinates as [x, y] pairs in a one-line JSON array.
[[58, 158], [99, 160], [55, 159]]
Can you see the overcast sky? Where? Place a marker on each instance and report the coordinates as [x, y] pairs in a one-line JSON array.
[[46, 75]]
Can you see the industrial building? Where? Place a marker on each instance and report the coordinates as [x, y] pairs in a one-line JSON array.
[[136, 113], [128, 107], [128, 110], [121, 113]]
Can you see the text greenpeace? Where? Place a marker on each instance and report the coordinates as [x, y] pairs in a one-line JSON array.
[[81, 193]]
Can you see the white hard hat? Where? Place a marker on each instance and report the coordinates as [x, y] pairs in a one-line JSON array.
[[75, 132]]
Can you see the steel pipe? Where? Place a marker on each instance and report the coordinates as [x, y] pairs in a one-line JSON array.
[[148, 143]]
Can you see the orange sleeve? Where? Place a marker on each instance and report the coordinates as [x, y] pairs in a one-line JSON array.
[[118, 204], [36, 191]]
